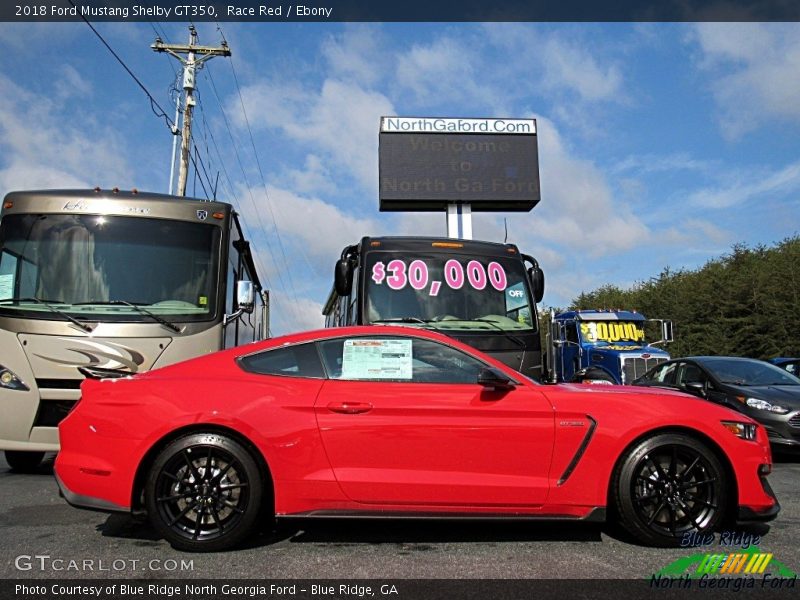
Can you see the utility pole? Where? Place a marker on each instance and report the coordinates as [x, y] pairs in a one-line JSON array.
[[195, 57]]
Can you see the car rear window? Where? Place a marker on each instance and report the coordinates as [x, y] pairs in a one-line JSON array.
[[299, 360]]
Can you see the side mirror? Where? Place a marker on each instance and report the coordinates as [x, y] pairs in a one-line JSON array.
[[245, 295], [494, 379], [343, 277], [695, 387], [666, 331], [536, 278]]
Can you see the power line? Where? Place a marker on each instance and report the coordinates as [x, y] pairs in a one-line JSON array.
[[261, 172], [195, 161], [153, 102], [227, 181], [257, 214], [233, 196]]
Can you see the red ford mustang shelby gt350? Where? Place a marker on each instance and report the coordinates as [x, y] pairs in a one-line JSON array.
[[401, 422]]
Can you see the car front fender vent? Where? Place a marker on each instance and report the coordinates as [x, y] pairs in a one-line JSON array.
[[579, 453]]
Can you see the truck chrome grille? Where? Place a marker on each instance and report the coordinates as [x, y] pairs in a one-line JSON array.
[[636, 366]]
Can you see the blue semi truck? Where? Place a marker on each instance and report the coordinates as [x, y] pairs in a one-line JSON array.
[[602, 346]]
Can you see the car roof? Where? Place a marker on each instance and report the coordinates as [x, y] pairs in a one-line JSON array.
[[710, 359], [363, 330]]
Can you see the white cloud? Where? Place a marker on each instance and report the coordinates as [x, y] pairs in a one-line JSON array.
[[578, 207], [356, 55], [340, 120], [752, 70], [446, 69], [22, 36], [568, 63], [322, 228], [312, 234], [42, 149], [71, 83], [572, 67], [289, 314], [654, 163], [745, 187], [314, 177]]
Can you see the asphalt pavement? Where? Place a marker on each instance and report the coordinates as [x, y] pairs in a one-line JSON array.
[[43, 537]]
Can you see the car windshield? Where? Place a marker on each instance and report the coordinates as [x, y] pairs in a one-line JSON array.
[[749, 372], [106, 267], [448, 291]]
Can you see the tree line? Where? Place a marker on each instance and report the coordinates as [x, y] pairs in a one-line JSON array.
[[745, 303]]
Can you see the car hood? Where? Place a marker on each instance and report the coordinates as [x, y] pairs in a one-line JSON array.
[[788, 395], [637, 403]]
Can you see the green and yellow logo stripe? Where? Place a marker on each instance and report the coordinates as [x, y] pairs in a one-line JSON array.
[[746, 562], [731, 564]]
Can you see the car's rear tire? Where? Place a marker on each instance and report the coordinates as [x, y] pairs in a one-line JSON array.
[[23, 462], [204, 493], [667, 486]]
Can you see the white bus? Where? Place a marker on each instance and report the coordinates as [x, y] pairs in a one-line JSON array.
[[130, 281]]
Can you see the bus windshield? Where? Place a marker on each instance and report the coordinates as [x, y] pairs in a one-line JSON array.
[[447, 291], [96, 267]]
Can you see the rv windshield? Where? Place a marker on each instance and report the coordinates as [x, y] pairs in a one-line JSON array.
[[95, 267], [447, 291]]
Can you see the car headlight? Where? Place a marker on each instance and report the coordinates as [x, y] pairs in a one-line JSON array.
[[746, 431], [10, 381], [764, 405]]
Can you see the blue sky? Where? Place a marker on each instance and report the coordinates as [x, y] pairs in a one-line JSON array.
[[661, 145]]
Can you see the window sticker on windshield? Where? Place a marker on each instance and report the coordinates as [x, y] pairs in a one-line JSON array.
[[376, 359], [609, 331], [397, 275], [6, 286]]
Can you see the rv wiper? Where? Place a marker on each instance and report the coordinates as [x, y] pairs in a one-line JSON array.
[[513, 338], [46, 303], [403, 320], [137, 308]]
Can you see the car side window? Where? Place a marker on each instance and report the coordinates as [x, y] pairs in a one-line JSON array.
[[689, 373], [399, 359], [663, 375], [571, 332], [298, 360]]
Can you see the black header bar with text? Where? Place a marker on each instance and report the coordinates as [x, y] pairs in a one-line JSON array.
[[405, 11]]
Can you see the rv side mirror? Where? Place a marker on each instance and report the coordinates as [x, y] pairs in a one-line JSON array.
[[536, 278], [343, 277], [666, 331], [245, 295]]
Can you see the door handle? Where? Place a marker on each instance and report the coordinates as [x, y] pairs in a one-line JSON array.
[[350, 408]]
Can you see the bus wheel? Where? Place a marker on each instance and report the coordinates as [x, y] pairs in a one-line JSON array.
[[23, 462]]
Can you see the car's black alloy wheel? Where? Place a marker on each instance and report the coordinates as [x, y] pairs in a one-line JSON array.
[[670, 485], [204, 492]]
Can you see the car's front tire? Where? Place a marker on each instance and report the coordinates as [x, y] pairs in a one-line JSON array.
[[667, 486], [204, 493]]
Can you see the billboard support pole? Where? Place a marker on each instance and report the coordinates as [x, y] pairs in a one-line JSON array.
[[459, 221]]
